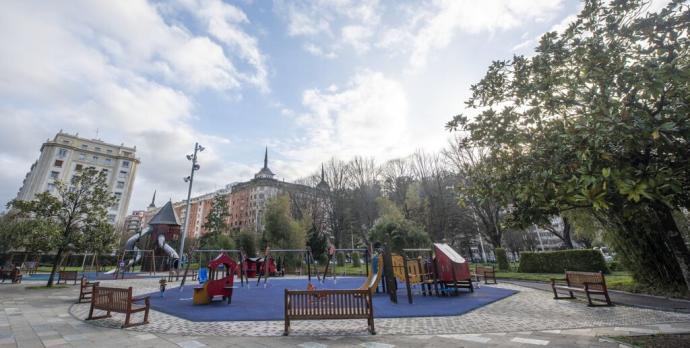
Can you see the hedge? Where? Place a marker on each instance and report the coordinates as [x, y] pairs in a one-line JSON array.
[[558, 261], [502, 259], [356, 260]]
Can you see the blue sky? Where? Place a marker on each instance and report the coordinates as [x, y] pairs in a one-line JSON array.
[[312, 80]]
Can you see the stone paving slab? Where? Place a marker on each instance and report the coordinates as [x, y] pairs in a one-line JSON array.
[[528, 310]]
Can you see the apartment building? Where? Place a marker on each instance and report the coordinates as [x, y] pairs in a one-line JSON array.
[[65, 155]]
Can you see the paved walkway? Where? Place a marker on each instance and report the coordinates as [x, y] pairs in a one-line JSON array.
[[624, 298], [48, 318]]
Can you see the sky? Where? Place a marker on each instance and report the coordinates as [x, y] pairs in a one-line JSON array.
[[309, 79]]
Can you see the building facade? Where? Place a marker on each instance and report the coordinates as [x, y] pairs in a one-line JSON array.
[[65, 155], [247, 202], [133, 222]]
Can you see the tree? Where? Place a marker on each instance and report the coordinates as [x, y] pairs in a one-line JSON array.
[[76, 208], [216, 241], [217, 219], [476, 188], [395, 231], [597, 119], [281, 230], [246, 241], [99, 238], [317, 242]]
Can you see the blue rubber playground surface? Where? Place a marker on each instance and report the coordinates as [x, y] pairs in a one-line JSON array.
[[94, 276], [259, 303]]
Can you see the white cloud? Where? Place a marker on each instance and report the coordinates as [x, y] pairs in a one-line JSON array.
[[368, 116], [122, 68], [337, 24], [418, 30]]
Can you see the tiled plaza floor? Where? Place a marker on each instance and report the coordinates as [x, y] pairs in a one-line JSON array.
[[48, 318]]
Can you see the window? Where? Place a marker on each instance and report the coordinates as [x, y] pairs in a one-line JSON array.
[[62, 153], [115, 205], [118, 195], [123, 174], [73, 180], [109, 151], [126, 153], [120, 185], [125, 164], [111, 218], [54, 174], [108, 161], [104, 171], [65, 141], [78, 167], [95, 158], [98, 149], [58, 163], [84, 146], [51, 187]]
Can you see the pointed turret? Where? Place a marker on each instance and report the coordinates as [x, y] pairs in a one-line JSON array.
[[165, 216], [153, 200], [266, 158], [264, 173], [323, 185]]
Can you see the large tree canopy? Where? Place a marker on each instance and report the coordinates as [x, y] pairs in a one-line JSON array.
[[79, 210], [597, 119]]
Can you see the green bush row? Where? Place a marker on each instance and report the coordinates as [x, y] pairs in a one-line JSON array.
[[502, 259], [559, 261]]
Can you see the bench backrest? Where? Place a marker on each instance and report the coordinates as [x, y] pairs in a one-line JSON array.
[[484, 269], [578, 279], [68, 275], [112, 299], [328, 304]]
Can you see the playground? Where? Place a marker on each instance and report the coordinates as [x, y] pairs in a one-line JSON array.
[[266, 303]]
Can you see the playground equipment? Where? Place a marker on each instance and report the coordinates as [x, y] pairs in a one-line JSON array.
[[413, 272], [374, 277], [215, 286], [452, 271], [163, 226]]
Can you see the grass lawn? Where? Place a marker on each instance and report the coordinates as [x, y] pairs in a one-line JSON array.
[[615, 280], [657, 341]]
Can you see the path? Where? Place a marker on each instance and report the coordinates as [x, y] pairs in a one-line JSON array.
[[41, 318]]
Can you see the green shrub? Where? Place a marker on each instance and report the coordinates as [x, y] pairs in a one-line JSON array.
[[356, 260], [502, 259], [558, 261], [340, 259]]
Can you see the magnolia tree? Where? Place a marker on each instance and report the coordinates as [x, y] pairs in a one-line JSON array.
[[597, 119], [79, 212]]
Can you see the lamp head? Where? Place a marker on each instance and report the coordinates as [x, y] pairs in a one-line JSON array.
[[197, 166], [201, 148], [189, 157], [187, 178]]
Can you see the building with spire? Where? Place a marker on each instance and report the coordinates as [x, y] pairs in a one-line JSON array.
[[247, 201]]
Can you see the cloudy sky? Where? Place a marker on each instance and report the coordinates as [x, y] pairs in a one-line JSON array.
[[309, 79]]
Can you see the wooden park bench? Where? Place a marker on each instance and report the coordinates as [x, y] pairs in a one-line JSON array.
[[86, 289], [328, 304], [14, 275], [64, 276], [118, 300], [591, 283], [486, 273]]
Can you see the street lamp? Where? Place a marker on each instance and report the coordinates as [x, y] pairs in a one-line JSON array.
[[190, 180]]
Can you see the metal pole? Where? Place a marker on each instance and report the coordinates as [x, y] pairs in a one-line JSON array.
[[189, 203], [479, 235]]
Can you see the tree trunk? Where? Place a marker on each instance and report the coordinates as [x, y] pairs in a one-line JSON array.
[[676, 241], [566, 233], [54, 268]]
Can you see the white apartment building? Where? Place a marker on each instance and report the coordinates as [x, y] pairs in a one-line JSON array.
[[65, 155]]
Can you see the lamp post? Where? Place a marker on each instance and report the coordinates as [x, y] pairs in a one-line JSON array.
[[190, 180]]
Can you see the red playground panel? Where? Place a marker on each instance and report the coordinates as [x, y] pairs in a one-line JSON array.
[[217, 287], [252, 266], [450, 265]]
